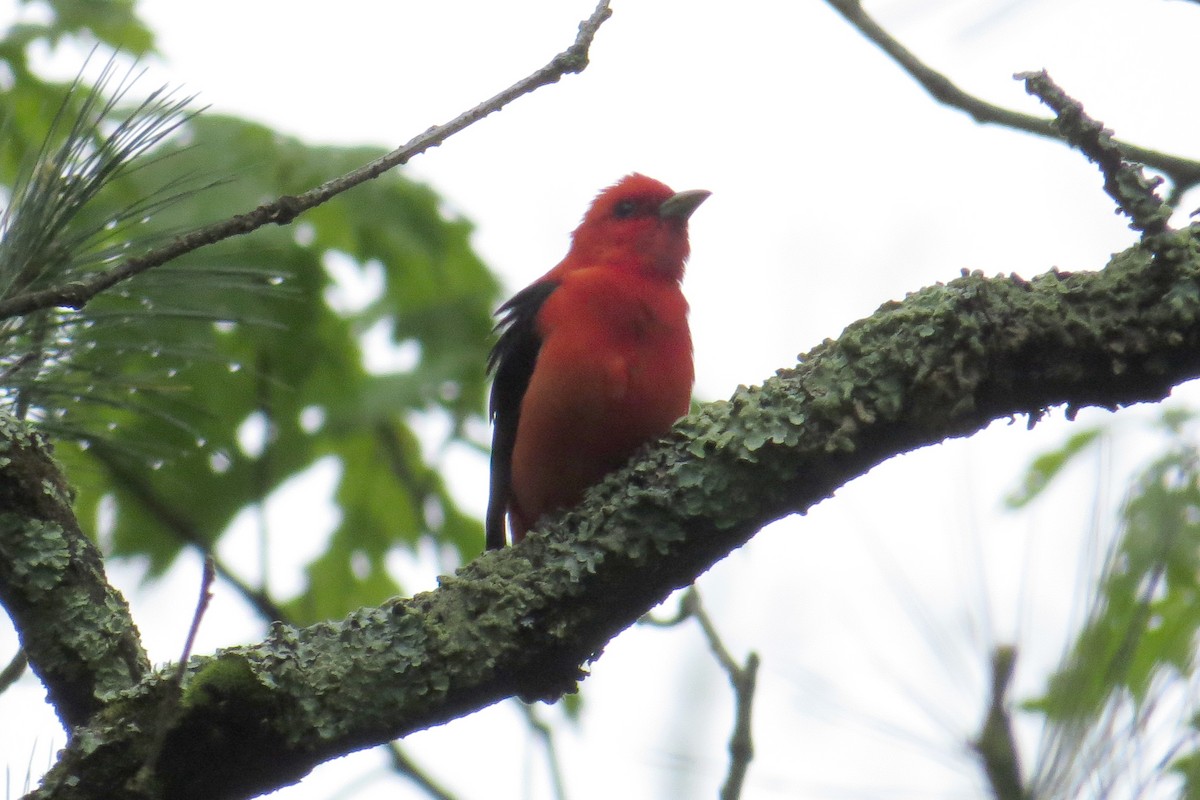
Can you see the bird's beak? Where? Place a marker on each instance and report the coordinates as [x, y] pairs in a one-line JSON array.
[[681, 205]]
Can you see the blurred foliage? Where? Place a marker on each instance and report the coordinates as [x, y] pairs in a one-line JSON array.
[[1048, 465], [1131, 668], [1147, 613], [189, 394], [26, 99]]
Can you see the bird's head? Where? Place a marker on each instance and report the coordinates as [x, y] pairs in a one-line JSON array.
[[638, 224]]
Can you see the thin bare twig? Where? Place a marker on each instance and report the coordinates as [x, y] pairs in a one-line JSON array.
[[996, 745], [206, 582], [744, 680], [15, 367], [682, 613], [283, 210], [171, 697], [1124, 182], [404, 765], [1183, 172], [741, 744]]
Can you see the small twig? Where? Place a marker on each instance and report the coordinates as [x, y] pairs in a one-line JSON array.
[[691, 601], [283, 210], [996, 746], [546, 734], [744, 680], [1183, 172], [262, 470], [741, 744], [404, 765], [206, 582], [1124, 182], [681, 614], [169, 705], [13, 670]]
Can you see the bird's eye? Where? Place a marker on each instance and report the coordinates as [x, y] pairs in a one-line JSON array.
[[624, 209]]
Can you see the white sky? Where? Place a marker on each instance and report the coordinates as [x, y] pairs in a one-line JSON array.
[[837, 185]]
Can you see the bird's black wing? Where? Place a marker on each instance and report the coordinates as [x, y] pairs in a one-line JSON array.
[[511, 364]]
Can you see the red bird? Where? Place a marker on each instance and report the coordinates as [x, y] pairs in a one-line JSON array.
[[594, 358]]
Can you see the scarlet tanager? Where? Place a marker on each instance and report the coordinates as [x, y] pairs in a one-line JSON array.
[[594, 358]]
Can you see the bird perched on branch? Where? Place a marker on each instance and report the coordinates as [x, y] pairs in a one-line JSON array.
[[594, 358]]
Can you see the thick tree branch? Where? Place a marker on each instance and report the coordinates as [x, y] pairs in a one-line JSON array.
[[1183, 172], [945, 362], [75, 629], [283, 210]]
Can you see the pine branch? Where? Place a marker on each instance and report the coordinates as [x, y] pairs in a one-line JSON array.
[[281, 211]]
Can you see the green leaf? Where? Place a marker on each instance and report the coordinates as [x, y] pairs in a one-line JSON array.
[[1046, 467]]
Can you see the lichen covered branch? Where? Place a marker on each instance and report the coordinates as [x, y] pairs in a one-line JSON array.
[[945, 362], [75, 629], [1124, 182]]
